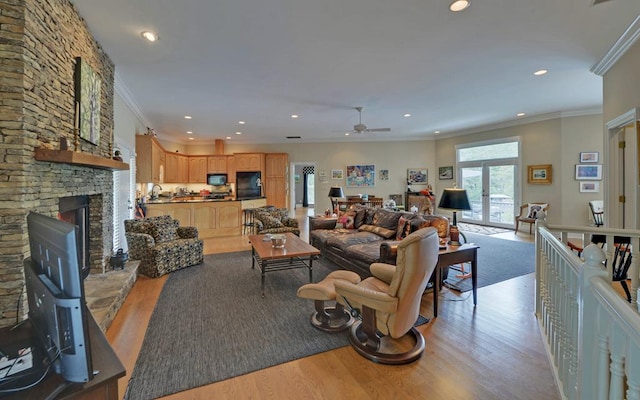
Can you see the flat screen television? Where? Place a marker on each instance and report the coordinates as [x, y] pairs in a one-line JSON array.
[[248, 185], [55, 293], [216, 179]]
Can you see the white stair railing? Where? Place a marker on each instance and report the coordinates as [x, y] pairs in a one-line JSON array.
[[591, 332]]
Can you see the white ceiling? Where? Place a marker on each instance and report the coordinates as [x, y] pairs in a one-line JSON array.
[[260, 61]]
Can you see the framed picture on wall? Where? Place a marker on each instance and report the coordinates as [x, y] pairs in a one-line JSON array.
[[337, 174], [384, 174], [588, 172], [589, 187], [589, 157], [417, 175], [361, 175], [445, 173], [87, 91], [539, 174]]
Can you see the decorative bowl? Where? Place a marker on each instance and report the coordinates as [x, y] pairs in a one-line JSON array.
[[278, 241]]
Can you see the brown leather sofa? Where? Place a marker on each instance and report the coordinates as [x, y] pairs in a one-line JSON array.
[[367, 235]]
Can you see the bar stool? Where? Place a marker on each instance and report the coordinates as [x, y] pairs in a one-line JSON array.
[[247, 221]]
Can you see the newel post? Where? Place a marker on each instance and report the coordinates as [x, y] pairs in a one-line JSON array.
[[588, 341]]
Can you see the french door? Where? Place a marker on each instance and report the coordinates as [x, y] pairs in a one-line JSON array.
[[488, 172]]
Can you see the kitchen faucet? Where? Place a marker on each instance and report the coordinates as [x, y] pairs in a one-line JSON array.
[[155, 194]]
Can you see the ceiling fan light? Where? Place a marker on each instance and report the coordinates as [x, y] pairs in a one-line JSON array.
[[459, 5]]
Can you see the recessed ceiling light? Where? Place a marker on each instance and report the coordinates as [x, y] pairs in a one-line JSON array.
[[407, 115], [228, 137], [520, 114], [459, 5], [187, 117], [436, 132], [241, 122], [238, 133], [346, 134], [294, 116], [190, 138], [150, 36], [540, 72], [189, 132]]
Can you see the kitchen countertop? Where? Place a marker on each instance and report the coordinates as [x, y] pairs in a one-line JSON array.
[[186, 200]]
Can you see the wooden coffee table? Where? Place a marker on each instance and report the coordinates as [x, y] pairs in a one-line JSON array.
[[296, 253]]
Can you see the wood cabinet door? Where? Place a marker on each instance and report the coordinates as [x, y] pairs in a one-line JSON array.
[[217, 164], [276, 165], [183, 169], [276, 192], [172, 165], [231, 169], [197, 169]]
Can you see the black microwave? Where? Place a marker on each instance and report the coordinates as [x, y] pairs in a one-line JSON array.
[[217, 179]]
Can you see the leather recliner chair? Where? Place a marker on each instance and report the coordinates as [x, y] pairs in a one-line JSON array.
[[389, 301]]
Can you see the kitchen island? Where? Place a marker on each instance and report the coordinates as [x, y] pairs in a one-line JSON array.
[[212, 217]]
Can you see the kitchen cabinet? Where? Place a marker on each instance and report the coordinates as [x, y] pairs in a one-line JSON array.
[[198, 169], [217, 164], [212, 218], [231, 169], [176, 168], [276, 179], [150, 160], [248, 162]]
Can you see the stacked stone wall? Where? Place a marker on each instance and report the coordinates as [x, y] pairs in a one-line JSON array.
[[39, 43]]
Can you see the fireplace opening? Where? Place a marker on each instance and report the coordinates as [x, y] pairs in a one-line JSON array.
[[75, 210]]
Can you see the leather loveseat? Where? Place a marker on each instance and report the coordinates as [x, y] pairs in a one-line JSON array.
[[368, 235]]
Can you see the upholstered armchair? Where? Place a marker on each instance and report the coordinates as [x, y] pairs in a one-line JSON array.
[[389, 301], [161, 245], [274, 220]]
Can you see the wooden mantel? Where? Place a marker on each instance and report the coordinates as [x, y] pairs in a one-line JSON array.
[[78, 158]]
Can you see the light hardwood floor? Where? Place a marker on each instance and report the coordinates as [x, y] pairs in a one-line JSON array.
[[492, 351]]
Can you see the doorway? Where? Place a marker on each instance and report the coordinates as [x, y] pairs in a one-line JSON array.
[[488, 171], [303, 184]]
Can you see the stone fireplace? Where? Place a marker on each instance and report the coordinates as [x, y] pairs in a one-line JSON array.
[[41, 41]]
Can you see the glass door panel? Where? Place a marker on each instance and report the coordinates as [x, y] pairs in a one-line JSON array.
[[501, 194], [471, 179], [491, 192]]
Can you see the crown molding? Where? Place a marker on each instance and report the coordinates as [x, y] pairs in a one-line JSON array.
[[123, 91], [620, 47], [629, 117], [522, 121]]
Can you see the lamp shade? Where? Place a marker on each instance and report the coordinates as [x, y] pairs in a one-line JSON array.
[[454, 199], [336, 191]]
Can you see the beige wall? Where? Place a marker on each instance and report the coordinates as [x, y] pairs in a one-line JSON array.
[[557, 142], [621, 86]]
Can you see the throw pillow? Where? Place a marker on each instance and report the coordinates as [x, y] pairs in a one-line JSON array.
[[361, 214], [268, 220], [404, 228], [534, 209], [348, 219], [378, 230], [386, 219], [419, 223]]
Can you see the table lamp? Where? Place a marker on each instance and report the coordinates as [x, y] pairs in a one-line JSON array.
[[454, 199], [335, 193]]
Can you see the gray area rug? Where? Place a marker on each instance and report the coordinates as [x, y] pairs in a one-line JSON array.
[[498, 260], [211, 324]]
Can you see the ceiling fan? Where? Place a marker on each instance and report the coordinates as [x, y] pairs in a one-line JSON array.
[[362, 128]]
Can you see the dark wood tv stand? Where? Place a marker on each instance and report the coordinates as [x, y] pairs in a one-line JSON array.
[[103, 386]]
